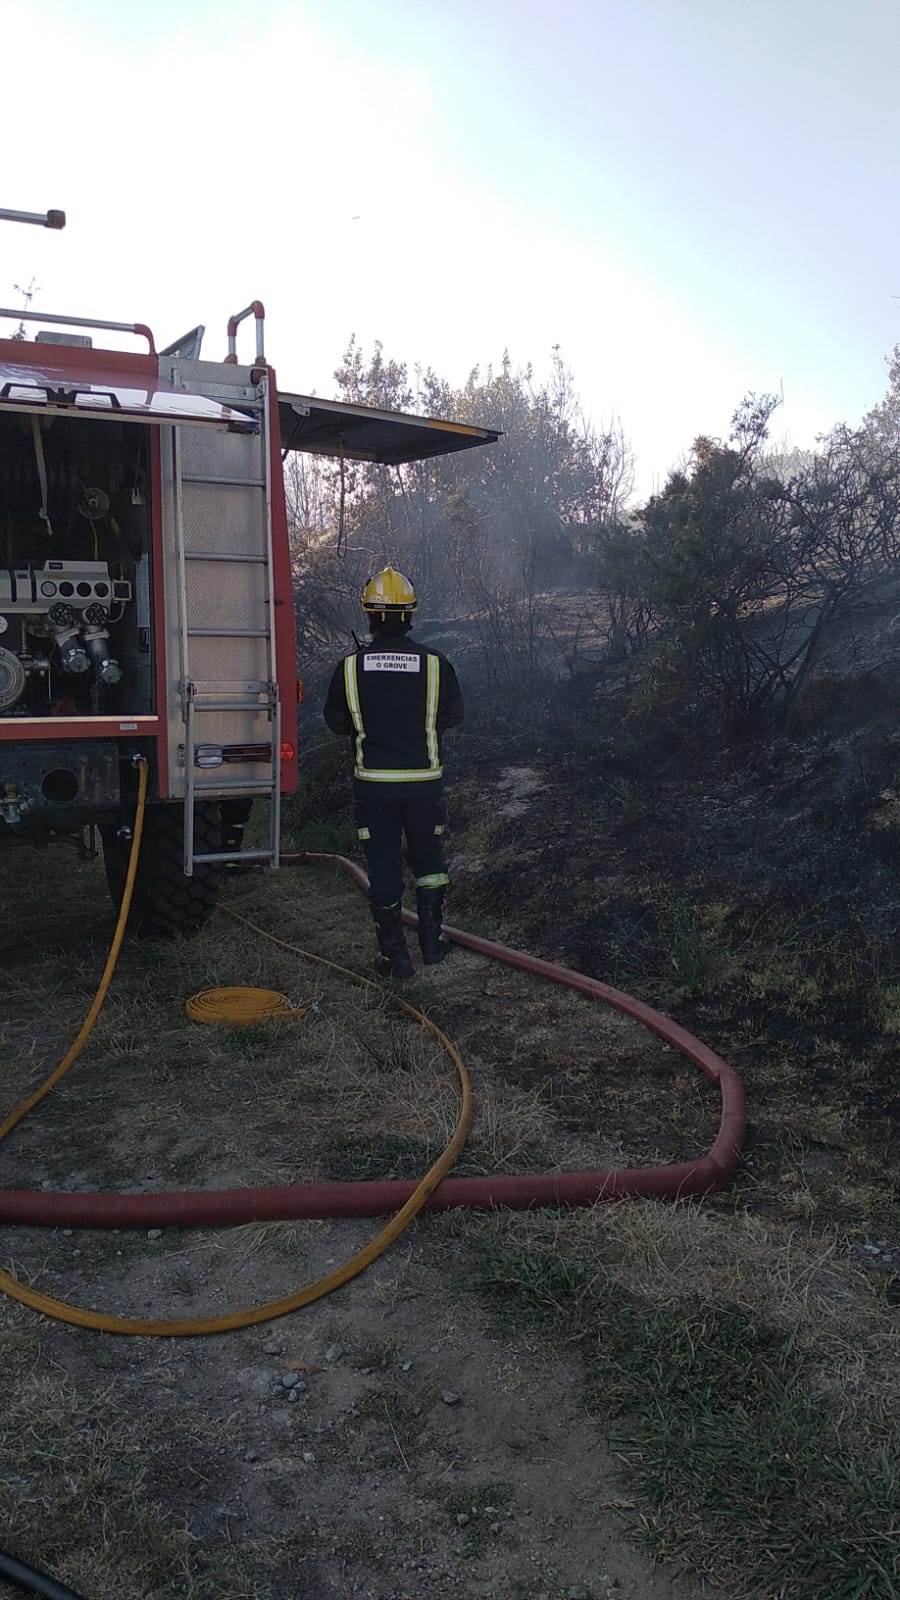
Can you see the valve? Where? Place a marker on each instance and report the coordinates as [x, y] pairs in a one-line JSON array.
[[108, 669], [72, 655]]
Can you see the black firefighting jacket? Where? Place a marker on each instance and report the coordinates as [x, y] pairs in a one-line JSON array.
[[394, 698]]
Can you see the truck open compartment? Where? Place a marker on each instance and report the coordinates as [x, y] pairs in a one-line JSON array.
[[76, 626]]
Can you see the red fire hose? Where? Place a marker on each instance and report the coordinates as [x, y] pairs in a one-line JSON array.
[[196, 1209]]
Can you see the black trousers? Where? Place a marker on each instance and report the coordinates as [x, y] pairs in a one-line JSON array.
[[413, 811]]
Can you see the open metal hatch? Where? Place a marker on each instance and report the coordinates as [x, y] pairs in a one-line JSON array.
[[362, 433]]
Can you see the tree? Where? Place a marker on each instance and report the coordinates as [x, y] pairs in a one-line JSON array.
[[845, 519], [746, 569], [486, 532], [882, 425], [710, 552]]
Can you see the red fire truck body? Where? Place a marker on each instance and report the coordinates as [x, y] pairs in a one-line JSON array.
[[146, 605]]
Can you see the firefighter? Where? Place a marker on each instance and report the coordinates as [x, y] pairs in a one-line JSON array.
[[395, 697]]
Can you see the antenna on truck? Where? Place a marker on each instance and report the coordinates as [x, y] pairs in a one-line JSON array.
[[43, 219]]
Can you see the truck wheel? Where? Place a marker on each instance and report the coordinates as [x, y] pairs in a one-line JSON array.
[[165, 900]]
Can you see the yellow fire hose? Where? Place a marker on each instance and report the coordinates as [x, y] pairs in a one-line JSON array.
[[237, 1007], [240, 1007]]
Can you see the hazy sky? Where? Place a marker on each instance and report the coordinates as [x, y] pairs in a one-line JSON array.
[[693, 198]]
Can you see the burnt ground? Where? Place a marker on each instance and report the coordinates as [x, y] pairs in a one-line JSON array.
[[764, 932], [749, 888]]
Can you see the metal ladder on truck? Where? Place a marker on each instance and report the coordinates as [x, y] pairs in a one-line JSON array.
[[243, 499]]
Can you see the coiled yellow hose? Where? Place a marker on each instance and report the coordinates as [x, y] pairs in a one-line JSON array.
[[240, 1007]]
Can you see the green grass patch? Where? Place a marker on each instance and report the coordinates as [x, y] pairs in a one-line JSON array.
[[371, 1157], [254, 1041], [477, 1510], [555, 1294], [680, 947], [740, 1469], [379, 1356], [474, 841], [865, 1208], [889, 1001], [472, 1500], [380, 1404], [330, 836]]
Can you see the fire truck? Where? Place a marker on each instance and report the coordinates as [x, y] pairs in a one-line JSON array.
[[146, 604]]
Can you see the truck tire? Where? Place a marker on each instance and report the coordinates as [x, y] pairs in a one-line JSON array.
[[165, 900]]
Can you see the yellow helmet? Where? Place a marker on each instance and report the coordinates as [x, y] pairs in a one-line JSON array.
[[389, 594]]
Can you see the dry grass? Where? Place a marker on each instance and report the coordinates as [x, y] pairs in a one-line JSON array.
[[73, 1487], [795, 1279]]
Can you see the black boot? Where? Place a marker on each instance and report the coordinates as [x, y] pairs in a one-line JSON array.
[[434, 944], [392, 960]]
